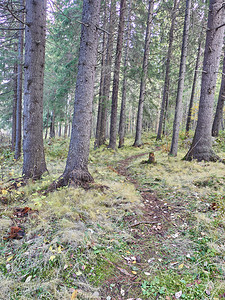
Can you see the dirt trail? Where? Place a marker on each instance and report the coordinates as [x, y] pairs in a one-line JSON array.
[[154, 221], [155, 210]]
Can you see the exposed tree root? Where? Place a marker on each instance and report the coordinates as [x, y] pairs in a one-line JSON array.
[[204, 156], [75, 178]]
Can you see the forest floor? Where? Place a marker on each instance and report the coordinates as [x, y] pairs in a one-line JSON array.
[[142, 231]]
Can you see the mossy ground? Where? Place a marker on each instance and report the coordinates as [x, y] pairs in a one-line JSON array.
[[156, 232]]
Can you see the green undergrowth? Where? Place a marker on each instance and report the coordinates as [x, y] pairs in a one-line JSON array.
[[76, 239]]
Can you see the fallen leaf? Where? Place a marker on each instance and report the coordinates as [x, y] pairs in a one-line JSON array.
[[208, 292], [52, 257], [124, 272], [74, 295], [181, 266], [16, 232], [178, 294], [28, 279], [147, 273], [122, 292], [134, 272], [10, 258], [78, 273]]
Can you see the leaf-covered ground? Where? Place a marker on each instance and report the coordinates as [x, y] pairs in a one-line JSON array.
[[140, 232]]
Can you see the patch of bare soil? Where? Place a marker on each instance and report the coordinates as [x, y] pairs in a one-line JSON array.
[[148, 230]]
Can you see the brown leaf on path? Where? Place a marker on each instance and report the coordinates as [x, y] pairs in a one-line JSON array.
[[24, 212], [16, 232]]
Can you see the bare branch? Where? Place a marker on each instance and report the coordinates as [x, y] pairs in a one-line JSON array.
[[7, 7]]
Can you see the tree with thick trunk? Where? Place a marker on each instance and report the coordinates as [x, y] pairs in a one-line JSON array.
[[193, 86], [201, 148], [220, 104], [76, 170], [138, 141], [167, 75], [122, 123], [113, 124], [33, 149], [178, 108], [19, 84]]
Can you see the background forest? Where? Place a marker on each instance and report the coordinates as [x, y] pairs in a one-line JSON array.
[[148, 79], [62, 48]]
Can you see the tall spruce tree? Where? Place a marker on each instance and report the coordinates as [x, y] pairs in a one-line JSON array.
[[201, 147], [113, 124], [180, 88], [76, 170], [220, 104], [138, 141], [33, 149]]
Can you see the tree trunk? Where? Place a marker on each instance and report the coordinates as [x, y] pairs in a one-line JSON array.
[[193, 87], [52, 125], [138, 141], [19, 84], [14, 107], [33, 149], [178, 109], [60, 129], [164, 103], [113, 123], [76, 170], [46, 131], [122, 123], [100, 103], [219, 109], [201, 148], [107, 77]]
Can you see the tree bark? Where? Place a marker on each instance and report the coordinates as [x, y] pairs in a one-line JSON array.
[[193, 86], [201, 148], [122, 123], [33, 149], [138, 141], [19, 84], [167, 75], [178, 109], [46, 130], [219, 108], [52, 125], [60, 129], [76, 170], [113, 123], [14, 107], [100, 101], [107, 77]]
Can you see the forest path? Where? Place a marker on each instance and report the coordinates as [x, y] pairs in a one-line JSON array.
[[148, 229], [155, 211]]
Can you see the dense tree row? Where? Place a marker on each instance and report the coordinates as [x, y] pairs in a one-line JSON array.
[[138, 65]]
